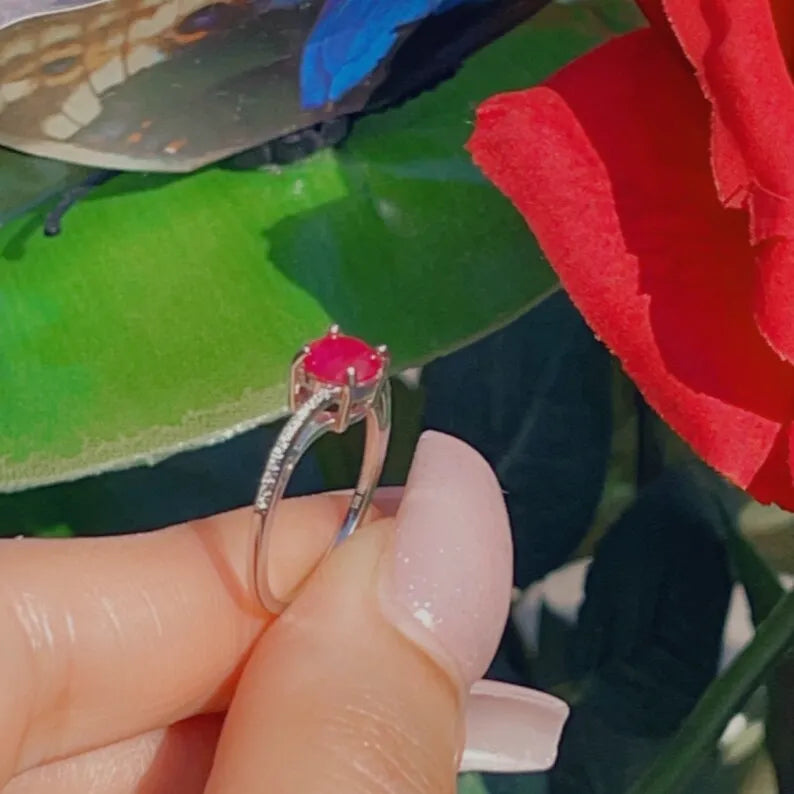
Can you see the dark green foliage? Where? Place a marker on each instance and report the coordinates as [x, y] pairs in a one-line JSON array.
[[535, 399]]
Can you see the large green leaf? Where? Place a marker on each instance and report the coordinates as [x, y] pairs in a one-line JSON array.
[[166, 314], [542, 418], [648, 634]]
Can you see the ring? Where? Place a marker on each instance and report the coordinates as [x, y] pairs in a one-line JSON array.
[[335, 382]]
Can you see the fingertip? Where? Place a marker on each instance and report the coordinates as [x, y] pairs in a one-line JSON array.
[[334, 682], [449, 581], [89, 616], [367, 672]]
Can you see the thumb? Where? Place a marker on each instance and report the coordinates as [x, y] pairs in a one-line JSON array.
[[363, 683]]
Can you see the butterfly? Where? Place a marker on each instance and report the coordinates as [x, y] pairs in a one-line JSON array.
[[171, 85]]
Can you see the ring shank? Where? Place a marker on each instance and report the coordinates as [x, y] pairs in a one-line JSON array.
[[310, 422]]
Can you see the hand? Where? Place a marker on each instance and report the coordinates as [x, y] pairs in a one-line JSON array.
[[142, 664]]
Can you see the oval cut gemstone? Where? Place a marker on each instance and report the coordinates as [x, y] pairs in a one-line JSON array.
[[329, 358]]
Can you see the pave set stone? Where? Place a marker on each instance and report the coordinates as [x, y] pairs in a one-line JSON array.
[[286, 439]]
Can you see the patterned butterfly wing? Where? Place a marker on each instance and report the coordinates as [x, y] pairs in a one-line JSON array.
[[163, 85], [16, 10], [171, 85]]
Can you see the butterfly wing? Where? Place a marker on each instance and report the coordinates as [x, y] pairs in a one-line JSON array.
[[12, 11], [352, 38], [165, 85], [171, 85]]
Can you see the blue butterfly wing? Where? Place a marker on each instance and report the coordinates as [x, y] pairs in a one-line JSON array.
[[448, 5], [350, 39]]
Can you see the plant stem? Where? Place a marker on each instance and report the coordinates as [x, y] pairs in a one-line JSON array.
[[764, 591], [699, 733]]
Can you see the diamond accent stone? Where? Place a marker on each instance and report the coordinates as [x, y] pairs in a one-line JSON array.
[[295, 425]]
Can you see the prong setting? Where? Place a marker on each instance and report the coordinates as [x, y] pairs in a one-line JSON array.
[[385, 355], [295, 372]]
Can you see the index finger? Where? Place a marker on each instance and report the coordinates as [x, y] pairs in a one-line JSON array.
[[106, 638]]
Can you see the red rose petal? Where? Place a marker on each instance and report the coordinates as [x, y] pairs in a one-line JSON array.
[[739, 53], [610, 166], [783, 13], [773, 482], [654, 13]]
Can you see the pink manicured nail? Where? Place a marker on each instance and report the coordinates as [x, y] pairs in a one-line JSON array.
[[447, 586], [511, 729], [449, 583]]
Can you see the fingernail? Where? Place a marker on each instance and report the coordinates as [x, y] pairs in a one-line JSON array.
[[511, 728], [447, 582], [447, 585]]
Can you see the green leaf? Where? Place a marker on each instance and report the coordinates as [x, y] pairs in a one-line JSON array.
[[542, 418], [56, 531], [474, 783], [166, 314], [656, 595], [183, 487], [648, 634], [339, 456], [471, 783], [698, 735]]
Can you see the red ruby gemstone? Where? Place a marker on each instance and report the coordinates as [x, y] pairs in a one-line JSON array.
[[329, 358]]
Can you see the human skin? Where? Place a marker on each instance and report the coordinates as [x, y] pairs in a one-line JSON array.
[[142, 664]]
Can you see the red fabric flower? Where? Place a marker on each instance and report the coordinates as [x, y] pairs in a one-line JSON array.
[[657, 172]]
